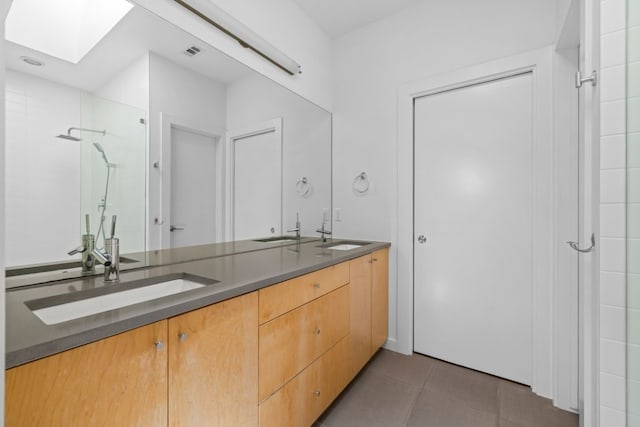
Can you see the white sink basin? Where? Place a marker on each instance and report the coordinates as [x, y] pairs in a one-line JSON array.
[[86, 307], [344, 247]]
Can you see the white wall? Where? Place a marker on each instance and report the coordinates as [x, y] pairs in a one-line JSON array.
[[612, 214], [181, 93], [280, 22], [39, 166], [306, 144], [130, 86], [372, 62]]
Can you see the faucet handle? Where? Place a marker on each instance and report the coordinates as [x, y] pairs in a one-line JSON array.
[[77, 250]]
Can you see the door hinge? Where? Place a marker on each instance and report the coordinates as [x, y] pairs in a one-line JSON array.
[[593, 78]]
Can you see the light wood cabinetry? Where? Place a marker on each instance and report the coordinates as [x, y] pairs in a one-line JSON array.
[[360, 330], [369, 284], [213, 365], [283, 297], [117, 381], [305, 397], [292, 341], [199, 368], [379, 298], [275, 357]]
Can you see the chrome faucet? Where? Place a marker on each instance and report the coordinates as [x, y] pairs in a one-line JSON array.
[[323, 231], [90, 254], [112, 247], [298, 226]]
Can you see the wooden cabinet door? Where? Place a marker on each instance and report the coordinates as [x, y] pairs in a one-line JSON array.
[[360, 334], [213, 365], [117, 381], [379, 298]]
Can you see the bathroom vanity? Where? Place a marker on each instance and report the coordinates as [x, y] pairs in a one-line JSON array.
[[269, 338]]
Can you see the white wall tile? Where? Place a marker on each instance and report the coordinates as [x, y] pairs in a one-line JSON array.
[[612, 254], [612, 84], [612, 323], [612, 186], [613, 152], [612, 118], [612, 391], [612, 417], [612, 49], [612, 16], [612, 220], [612, 357], [612, 288]]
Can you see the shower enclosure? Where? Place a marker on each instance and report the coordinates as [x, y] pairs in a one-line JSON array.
[[633, 213], [117, 186]]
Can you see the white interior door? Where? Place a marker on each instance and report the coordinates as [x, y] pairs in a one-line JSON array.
[[473, 205], [193, 188], [256, 155]]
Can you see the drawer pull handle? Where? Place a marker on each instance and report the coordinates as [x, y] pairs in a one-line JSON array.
[[375, 259], [316, 285], [316, 393], [159, 345], [182, 336], [317, 331]]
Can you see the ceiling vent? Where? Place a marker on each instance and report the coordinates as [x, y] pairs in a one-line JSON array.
[[192, 51]]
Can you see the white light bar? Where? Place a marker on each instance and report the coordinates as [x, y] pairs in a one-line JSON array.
[[241, 33]]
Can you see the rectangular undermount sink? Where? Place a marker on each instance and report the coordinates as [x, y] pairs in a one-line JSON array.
[[277, 239], [111, 298], [344, 247]]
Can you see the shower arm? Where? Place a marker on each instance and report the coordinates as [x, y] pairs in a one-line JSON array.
[[103, 132]]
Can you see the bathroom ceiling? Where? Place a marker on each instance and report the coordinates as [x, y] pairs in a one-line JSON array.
[[338, 17], [137, 33]]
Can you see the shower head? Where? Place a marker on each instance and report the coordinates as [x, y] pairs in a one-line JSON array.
[[75, 138], [104, 156], [69, 137]]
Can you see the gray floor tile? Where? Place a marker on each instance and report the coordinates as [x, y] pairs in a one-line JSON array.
[[374, 400], [438, 409], [412, 369], [475, 389], [519, 405]]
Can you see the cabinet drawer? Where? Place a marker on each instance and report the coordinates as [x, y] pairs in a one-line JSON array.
[[301, 401], [291, 342], [283, 297]]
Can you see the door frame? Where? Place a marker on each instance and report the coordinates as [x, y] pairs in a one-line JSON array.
[[167, 123], [539, 63], [273, 125]]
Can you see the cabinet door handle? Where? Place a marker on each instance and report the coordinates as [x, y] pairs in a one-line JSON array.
[[316, 393], [374, 259], [317, 331], [316, 285], [159, 345], [182, 336]]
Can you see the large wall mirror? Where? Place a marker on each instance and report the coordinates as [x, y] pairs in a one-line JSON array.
[[141, 120]]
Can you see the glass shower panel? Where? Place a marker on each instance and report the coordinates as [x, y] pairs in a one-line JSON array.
[[633, 213], [113, 171]]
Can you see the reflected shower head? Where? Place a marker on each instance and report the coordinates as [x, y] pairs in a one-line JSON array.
[[104, 156], [75, 138], [69, 137]]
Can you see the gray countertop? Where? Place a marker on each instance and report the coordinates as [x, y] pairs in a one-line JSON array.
[[28, 338]]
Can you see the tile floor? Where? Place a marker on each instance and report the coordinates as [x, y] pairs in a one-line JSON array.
[[417, 391]]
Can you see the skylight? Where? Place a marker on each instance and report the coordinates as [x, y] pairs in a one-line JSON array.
[[65, 29]]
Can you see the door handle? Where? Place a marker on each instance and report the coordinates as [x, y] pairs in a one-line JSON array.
[[422, 239], [174, 228], [574, 245]]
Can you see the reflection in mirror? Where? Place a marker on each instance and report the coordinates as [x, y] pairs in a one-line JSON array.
[[196, 149]]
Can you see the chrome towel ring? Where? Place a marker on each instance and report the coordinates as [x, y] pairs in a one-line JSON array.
[[361, 183], [303, 187]]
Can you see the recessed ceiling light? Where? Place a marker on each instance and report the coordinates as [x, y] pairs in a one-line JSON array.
[[32, 61]]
